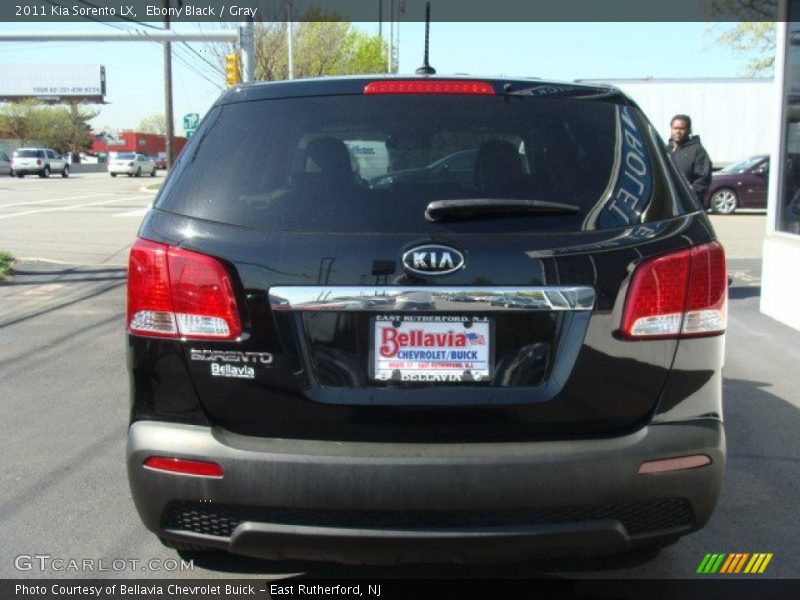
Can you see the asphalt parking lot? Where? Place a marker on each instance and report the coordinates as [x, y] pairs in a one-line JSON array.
[[63, 385]]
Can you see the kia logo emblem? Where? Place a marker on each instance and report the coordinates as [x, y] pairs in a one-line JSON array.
[[433, 259]]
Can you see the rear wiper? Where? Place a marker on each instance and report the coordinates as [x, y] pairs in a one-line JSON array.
[[469, 208]]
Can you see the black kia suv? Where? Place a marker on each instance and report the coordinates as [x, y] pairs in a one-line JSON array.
[[515, 358]]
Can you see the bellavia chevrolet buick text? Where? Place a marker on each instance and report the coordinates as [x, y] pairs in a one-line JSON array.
[[521, 363]]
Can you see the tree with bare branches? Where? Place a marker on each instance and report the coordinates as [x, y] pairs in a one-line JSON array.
[[753, 36], [320, 48], [156, 124]]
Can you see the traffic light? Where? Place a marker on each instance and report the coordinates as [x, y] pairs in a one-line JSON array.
[[232, 75]]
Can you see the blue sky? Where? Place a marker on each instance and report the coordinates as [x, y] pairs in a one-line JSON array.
[[562, 51]]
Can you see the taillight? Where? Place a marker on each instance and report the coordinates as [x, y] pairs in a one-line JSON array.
[[130, 164], [38, 163], [428, 86], [682, 294], [179, 293], [150, 309]]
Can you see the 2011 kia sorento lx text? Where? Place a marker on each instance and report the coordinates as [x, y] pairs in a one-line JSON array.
[[515, 358]]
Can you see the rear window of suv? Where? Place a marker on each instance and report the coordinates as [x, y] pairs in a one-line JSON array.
[[374, 163], [29, 153]]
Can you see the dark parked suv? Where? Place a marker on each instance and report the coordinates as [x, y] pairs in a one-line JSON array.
[[328, 363]]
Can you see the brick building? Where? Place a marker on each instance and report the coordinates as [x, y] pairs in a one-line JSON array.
[[132, 141]]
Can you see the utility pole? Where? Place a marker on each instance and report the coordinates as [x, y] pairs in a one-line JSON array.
[[246, 37], [170, 137], [401, 10], [289, 39], [391, 36]]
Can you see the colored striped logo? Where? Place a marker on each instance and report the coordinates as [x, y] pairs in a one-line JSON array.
[[737, 562]]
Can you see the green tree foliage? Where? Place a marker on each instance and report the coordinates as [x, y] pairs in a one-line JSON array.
[[67, 128], [22, 120], [755, 42], [336, 49], [752, 37], [6, 260], [319, 47], [63, 128], [156, 124]]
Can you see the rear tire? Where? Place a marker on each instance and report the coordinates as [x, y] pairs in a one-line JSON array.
[[45, 172], [65, 172], [724, 202], [139, 172], [113, 174], [20, 175], [153, 173]]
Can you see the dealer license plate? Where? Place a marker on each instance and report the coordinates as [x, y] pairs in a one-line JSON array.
[[431, 348]]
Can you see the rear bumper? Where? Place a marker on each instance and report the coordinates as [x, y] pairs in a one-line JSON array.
[[389, 503]]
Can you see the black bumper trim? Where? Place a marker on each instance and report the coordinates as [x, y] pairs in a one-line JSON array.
[[222, 520]]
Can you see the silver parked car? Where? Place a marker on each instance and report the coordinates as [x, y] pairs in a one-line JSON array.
[[132, 165], [39, 161]]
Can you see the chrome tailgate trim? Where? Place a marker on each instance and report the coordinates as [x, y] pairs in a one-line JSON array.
[[395, 299]]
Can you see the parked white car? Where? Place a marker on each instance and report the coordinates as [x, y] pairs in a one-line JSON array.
[[39, 161], [132, 165]]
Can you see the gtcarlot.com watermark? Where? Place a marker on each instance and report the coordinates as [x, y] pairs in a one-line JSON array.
[[47, 562]]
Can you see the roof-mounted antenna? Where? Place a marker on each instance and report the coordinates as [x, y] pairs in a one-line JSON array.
[[426, 69]]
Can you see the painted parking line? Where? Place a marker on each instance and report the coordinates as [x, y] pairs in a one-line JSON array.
[[43, 290], [139, 212], [72, 206], [30, 202]]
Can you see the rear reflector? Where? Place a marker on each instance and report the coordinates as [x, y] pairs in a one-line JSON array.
[[428, 86], [184, 467], [653, 467], [179, 293], [682, 294]]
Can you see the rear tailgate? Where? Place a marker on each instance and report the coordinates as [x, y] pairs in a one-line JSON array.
[[309, 365]]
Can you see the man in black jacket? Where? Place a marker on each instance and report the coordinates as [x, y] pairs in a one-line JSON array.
[[688, 154]]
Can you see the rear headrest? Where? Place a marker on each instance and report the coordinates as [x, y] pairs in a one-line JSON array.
[[331, 157]]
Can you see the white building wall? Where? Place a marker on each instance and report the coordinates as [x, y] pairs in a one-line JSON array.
[[780, 285], [733, 117]]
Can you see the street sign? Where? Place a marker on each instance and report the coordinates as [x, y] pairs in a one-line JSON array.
[[191, 121]]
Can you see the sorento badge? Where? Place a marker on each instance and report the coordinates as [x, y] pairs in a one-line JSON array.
[[433, 259]]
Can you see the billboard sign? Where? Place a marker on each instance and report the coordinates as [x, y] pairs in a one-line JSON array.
[[53, 82]]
